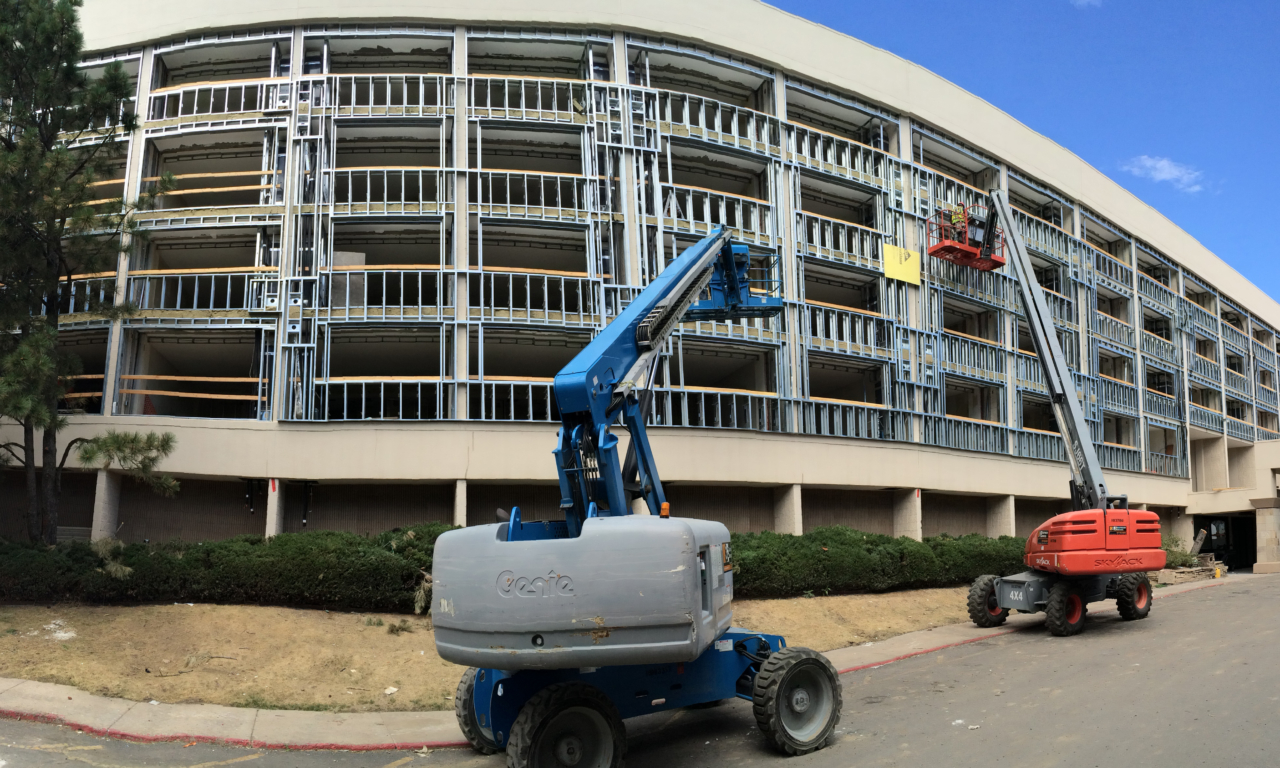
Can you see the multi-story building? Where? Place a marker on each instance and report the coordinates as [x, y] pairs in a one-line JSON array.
[[393, 224]]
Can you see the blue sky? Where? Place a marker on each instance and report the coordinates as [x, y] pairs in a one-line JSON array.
[[1178, 101]]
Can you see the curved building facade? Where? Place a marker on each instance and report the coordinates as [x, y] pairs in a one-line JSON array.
[[393, 223]]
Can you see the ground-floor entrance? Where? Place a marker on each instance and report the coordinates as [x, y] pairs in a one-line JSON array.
[[1233, 538]]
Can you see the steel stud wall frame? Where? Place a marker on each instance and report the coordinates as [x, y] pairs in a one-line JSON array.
[[605, 134]]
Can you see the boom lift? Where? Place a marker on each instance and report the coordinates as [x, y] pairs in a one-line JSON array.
[[568, 626], [1099, 550]]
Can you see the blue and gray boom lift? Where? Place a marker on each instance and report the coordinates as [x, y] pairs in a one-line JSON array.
[[568, 626]]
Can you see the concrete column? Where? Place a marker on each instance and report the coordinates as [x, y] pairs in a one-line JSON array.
[[275, 507], [460, 503], [1268, 522], [1209, 464], [639, 506], [106, 506], [788, 517], [1183, 527], [1001, 518], [908, 514]]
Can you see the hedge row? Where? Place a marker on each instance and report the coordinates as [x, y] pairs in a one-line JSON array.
[[344, 571]]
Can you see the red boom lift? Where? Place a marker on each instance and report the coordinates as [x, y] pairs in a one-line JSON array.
[[1101, 550]]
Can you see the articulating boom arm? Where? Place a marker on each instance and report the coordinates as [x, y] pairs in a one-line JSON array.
[[614, 375], [1088, 488]]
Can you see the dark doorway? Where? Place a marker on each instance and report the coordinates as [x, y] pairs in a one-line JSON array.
[[1233, 538]]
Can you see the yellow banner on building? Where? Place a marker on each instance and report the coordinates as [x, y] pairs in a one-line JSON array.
[[901, 264]]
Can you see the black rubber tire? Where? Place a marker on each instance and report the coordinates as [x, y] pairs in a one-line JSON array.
[[464, 709], [1065, 611], [982, 601], [526, 747], [1133, 596], [771, 688]]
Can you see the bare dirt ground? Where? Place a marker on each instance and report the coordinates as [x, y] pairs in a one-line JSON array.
[[305, 659]]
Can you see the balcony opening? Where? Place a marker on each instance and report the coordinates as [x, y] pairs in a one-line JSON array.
[[218, 169], [1155, 269], [560, 59], [740, 85], [841, 289], [848, 203], [973, 320], [513, 248], [834, 114], [1119, 430], [532, 150], [386, 244], [217, 374], [845, 380], [1202, 296], [959, 163], [208, 249], [418, 54], [1051, 275], [696, 165], [390, 144], [1235, 363], [1157, 325], [1264, 336], [85, 357], [1037, 414], [251, 60], [1266, 379], [1163, 440], [1268, 421], [1161, 381], [1206, 397], [1115, 366], [1114, 305], [385, 373], [1239, 410], [1207, 348], [1235, 320], [971, 400], [524, 355], [1036, 201], [1107, 238], [712, 366]]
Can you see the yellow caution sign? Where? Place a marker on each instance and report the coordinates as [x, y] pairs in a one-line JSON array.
[[901, 264]]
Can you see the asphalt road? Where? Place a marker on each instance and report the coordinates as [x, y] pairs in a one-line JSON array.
[[1196, 684]]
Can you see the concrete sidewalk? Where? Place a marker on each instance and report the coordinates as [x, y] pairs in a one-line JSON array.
[[288, 729]]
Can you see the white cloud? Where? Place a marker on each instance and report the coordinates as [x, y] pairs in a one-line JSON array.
[[1086, 3], [1184, 178]]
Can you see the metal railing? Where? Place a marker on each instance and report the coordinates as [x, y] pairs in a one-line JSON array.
[[373, 398], [502, 398], [1162, 405], [536, 296], [194, 289], [1164, 464], [362, 191], [1112, 328], [847, 331], [1205, 418], [1109, 266], [966, 434], [992, 287], [685, 114], [86, 293], [1265, 395], [724, 409], [841, 418], [1123, 457], [1206, 368], [1157, 292], [1043, 237], [1263, 352], [840, 241], [843, 157], [1235, 337], [698, 211], [1038, 444], [1265, 434], [1160, 348], [525, 195], [528, 98], [1241, 430], [1202, 317], [224, 98], [391, 95], [1237, 381], [1027, 371], [972, 357], [385, 293], [1118, 396]]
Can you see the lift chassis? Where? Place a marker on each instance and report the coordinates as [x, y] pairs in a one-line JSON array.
[[1101, 549]]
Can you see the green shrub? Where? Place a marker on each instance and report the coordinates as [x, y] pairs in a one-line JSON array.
[[1176, 555], [841, 560]]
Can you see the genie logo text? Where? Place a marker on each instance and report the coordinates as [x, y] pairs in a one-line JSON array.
[[551, 585]]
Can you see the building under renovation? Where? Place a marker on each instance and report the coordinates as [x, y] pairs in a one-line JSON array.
[[390, 230]]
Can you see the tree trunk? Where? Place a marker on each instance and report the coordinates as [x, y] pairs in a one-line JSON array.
[[51, 488], [33, 485]]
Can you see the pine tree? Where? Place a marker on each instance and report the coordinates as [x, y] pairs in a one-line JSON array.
[[60, 131]]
